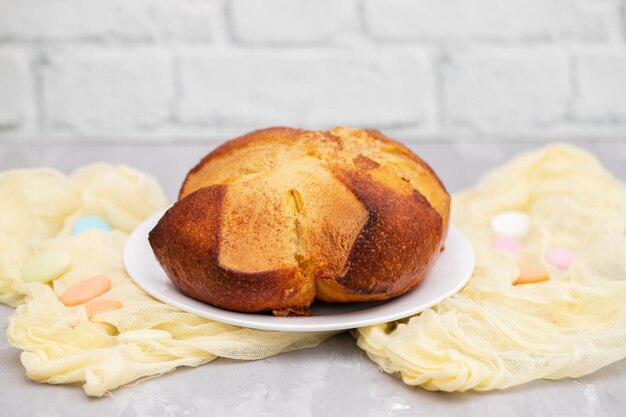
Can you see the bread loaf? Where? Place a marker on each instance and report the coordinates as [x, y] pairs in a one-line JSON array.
[[278, 218]]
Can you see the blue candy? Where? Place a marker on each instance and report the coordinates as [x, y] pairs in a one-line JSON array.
[[90, 222]]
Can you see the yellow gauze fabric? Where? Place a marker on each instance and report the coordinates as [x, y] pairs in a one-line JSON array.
[[61, 345], [494, 335], [491, 335]]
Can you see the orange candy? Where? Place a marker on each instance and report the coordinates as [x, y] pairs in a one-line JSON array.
[[101, 305], [531, 276], [86, 290]]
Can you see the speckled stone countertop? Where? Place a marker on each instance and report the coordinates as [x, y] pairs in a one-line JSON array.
[[334, 379]]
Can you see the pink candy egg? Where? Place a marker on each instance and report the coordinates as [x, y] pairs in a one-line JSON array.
[[506, 244], [560, 257]]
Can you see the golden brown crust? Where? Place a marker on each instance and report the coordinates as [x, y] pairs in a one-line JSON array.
[[186, 241], [279, 217], [395, 248], [377, 134], [278, 135]]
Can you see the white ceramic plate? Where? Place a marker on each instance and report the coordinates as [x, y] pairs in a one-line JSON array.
[[451, 271]]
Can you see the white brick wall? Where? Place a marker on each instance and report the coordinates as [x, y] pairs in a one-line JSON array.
[[600, 79], [76, 19], [509, 90], [305, 88], [11, 84], [105, 91], [197, 70], [292, 21], [517, 20]]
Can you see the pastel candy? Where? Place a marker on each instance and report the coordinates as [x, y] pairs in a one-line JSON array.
[[101, 305], [46, 266], [561, 257], [531, 276], [511, 223], [85, 290], [90, 222], [507, 244], [143, 335]]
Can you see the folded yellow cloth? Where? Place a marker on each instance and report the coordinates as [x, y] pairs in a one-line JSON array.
[[61, 345], [491, 335]]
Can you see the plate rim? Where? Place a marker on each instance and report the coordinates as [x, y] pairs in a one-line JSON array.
[[290, 324]]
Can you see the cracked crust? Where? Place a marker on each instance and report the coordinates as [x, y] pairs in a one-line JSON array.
[[187, 241], [279, 217]]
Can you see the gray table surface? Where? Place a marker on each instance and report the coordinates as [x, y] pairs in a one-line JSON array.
[[335, 378]]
